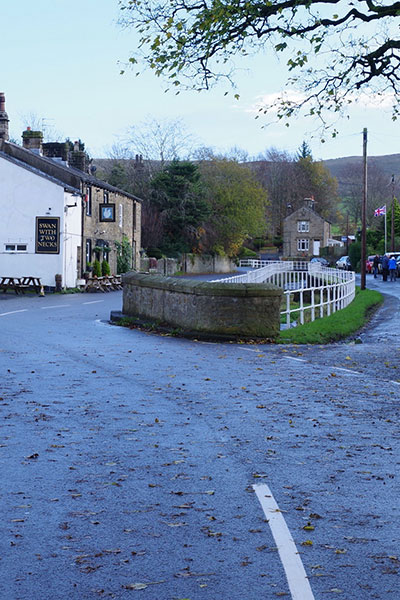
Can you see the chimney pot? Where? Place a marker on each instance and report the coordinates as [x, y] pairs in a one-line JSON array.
[[32, 140], [3, 118]]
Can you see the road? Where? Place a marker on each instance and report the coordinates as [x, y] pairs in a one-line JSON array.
[[140, 465]]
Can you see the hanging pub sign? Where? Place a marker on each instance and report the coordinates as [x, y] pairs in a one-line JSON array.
[[47, 235]]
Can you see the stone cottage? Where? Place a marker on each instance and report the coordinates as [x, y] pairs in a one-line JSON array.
[[57, 216], [305, 232]]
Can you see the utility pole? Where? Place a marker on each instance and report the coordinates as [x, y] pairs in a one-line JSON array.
[[364, 212], [392, 224]]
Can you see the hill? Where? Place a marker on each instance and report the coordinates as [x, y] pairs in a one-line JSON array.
[[389, 164]]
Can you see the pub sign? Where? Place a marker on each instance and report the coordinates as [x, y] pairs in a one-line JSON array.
[[47, 235]]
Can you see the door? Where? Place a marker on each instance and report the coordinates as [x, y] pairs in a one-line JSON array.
[[316, 246]]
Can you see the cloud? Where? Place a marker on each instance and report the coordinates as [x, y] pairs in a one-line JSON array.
[[359, 100], [272, 101], [373, 100]]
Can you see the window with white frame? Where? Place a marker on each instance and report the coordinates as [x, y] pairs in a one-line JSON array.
[[302, 245], [303, 226], [15, 247], [88, 251], [88, 200]]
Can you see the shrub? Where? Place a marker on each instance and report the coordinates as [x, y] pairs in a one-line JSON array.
[[96, 268], [124, 255], [105, 268], [247, 253], [154, 253]]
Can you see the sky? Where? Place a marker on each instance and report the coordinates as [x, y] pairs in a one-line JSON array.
[[60, 66]]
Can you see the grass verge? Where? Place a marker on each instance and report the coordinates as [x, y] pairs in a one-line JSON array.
[[338, 326]]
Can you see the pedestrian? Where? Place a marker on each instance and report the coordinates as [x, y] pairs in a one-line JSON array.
[[375, 265], [392, 268], [385, 267]]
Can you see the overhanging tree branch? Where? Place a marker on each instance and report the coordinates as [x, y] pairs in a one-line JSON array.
[[332, 49]]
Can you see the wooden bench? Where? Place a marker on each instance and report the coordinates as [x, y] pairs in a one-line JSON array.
[[20, 284], [103, 284]]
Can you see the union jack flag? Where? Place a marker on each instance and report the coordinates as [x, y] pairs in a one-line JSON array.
[[380, 211]]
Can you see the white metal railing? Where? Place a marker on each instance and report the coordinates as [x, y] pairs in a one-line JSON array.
[[309, 288]]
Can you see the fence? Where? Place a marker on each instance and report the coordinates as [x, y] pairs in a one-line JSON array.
[[311, 290]]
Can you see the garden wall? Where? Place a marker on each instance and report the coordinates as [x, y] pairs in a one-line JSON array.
[[190, 263], [233, 309]]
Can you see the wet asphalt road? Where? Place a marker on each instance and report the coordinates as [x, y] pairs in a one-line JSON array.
[[128, 459]]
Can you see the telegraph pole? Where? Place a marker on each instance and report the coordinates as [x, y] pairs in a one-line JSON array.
[[392, 223], [364, 212]]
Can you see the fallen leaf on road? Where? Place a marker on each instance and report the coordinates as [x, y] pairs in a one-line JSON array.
[[140, 586]]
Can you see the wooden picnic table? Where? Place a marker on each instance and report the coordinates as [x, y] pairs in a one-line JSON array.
[[103, 284], [20, 284]]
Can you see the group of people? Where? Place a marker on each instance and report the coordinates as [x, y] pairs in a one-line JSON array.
[[389, 267]]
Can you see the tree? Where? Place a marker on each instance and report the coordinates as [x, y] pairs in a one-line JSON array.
[[124, 255], [316, 181], [178, 195], [304, 151], [396, 207], [351, 190], [37, 123], [289, 180], [237, 206], [333, 49], [160, 140]]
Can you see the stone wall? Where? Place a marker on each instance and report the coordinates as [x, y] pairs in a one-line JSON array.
[[196, 263], [127, 222], [190, 263], [248, 310], [163, 266]]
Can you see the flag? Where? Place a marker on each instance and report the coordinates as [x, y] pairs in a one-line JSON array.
[[380, 211]]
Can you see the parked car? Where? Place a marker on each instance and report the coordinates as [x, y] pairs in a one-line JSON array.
[[343, 263], [398, 266], [369, 265], [320, 259]]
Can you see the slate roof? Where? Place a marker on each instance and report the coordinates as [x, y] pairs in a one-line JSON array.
[[40, 173], [55, 171], [304, 208]]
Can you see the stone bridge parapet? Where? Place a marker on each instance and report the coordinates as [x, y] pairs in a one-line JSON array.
[[227, 309]]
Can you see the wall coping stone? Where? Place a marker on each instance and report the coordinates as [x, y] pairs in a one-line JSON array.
[[200, 288]]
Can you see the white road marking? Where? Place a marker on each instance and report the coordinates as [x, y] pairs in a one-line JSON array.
[[293, 358], [93, 302], [299, 585], [54, 306], [346, 370], [12, 312], [249, 349]]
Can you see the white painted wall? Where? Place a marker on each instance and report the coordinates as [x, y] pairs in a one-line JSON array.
[[24, 195], [71, 238]]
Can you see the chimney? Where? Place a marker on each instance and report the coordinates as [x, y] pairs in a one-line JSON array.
[[57, 150], [78, 158], [3, 118], [32, 140]]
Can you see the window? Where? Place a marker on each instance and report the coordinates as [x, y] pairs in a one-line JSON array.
[[88, 251], [303, 226], [121, 215], [107, 213], [302, 245], [88, 200], [16, 247]]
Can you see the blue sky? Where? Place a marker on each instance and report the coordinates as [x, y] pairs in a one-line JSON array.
[[61, 61]]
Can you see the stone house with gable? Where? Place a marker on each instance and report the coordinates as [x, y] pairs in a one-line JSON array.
[[51, 186], [305, 232]]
